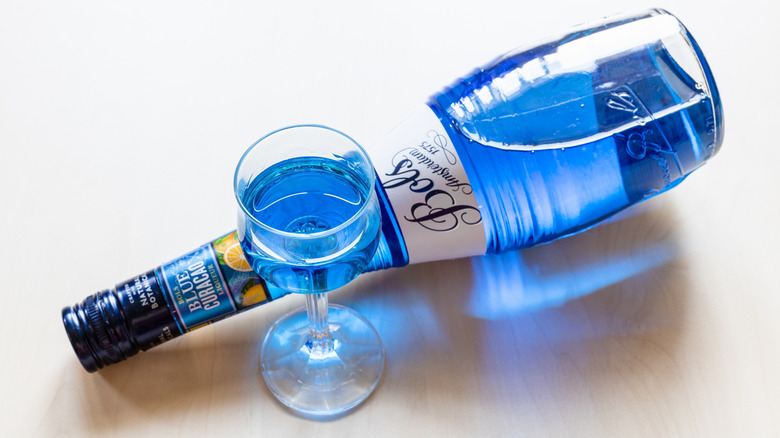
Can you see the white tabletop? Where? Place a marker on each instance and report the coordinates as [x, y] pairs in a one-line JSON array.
[[121, 124]]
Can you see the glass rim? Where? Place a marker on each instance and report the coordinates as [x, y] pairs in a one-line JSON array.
[[306, 236]]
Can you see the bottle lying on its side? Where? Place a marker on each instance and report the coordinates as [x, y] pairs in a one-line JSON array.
[[541, 143]]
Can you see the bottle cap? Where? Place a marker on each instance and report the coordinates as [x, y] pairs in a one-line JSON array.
[[97, 331]]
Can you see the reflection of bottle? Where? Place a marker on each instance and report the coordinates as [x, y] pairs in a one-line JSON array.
[[541, 143]]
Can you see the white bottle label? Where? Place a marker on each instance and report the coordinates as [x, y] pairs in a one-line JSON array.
[[428, 188]]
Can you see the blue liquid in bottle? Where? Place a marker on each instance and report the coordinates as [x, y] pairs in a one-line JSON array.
[[560, 136]]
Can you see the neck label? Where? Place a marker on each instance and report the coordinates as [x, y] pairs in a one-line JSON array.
[[432, 198]]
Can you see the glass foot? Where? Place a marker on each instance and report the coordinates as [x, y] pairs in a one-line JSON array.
[[322, 377]]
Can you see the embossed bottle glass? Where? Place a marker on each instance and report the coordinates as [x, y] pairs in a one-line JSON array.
[[550, 139], [309, 222]]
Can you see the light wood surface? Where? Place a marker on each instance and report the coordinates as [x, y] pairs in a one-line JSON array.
[[121, 124]]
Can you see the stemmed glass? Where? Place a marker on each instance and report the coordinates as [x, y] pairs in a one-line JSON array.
[[309, 222]]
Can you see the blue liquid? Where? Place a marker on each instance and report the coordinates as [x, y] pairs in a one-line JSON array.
[[551, 154], [297, 202]]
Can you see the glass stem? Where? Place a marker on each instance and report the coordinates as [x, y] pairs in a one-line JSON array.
[[317, 309]]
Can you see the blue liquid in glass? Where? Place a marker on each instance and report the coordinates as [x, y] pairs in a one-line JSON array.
[[311, 232]]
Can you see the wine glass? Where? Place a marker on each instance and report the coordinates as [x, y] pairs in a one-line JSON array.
[[309, 222]]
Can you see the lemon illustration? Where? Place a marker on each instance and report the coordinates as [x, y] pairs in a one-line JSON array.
[[255, 294], [234, 258], [223, 242]]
